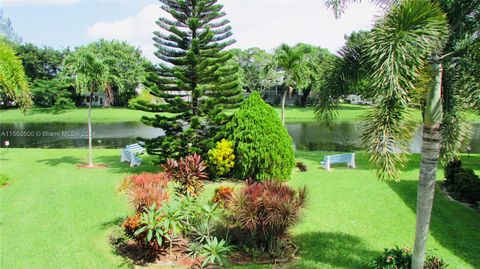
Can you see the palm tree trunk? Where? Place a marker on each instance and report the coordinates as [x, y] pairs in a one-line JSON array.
[[90, 161], [284, 97], [428, 167]]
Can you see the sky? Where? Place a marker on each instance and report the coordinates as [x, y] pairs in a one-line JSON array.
[[256, 23]]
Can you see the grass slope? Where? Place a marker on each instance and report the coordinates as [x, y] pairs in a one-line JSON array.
[[54, 215]]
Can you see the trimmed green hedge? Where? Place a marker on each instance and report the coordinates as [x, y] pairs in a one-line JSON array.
[[263, 147]]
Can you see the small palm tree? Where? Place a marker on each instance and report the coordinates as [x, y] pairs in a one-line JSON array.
[[290, 61], [13, 82], [410, 41], [91, 75]]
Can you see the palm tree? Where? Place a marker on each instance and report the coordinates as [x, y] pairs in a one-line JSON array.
[[91, 75], [290, 61], [13, 82], [411, 40]]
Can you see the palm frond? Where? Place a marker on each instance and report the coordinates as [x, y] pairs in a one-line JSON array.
[[339, 6], [399, 48], [13, 82]]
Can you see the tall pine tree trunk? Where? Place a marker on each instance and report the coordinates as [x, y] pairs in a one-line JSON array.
[[428, 167], [90, 161]]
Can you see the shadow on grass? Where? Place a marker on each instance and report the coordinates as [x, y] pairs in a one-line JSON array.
[[354, 107], [362, 163], [455, 227], [114, 222], [61, 160], [114, 164], [50, 111], [336, 249]]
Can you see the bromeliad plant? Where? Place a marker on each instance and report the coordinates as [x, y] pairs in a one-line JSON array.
[[266, 211], [187, 173]]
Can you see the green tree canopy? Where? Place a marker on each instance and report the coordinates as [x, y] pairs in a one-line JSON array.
[[197, 79], [41, 62], [126, 67], [13, 82], [257, 72]]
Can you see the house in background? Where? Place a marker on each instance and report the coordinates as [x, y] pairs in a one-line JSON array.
[[273, 96], [98, 99], [357, 100]]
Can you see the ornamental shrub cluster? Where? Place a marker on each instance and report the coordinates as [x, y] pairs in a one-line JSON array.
[[221, 158], [262, 145], [265, 212], [401, 258], [462, 183]]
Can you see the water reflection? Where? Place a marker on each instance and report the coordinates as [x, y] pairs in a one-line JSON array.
[[345, 136]]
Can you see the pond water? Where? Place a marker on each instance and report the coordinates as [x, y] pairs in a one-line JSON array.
[[307, 136]]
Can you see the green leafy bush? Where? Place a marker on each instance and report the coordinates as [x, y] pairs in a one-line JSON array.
[[265, 211], [55, 92], [262, 145], [401, 258], [462, 183], [221, 158], [214, 251], [142, 99], [151, 229], [62, 103], [451, 169]]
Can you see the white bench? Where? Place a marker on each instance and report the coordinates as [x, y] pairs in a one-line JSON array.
[[348, 158], [130, 152]]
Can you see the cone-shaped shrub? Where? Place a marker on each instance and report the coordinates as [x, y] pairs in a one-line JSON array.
[[263, 147]]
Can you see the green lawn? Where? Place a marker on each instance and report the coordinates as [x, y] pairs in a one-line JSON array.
[[54, 215], [293, 114], [77, 115]]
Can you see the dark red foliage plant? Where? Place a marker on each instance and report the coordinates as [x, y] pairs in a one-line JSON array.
[[145, 189], [187, 173], [266, 211]]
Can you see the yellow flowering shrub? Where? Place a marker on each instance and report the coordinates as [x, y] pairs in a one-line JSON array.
[[221, 158]]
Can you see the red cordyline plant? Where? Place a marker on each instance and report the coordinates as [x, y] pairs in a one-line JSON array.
[[187, 173], [267, 210], [145, 189]]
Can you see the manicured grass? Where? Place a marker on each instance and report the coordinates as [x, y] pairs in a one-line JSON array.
[[4, 179], [55, 215], [346, 112], [77, 115]]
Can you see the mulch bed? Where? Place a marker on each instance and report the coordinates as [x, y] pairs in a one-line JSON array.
[[94, 166], [179, 258], [242, 258]]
